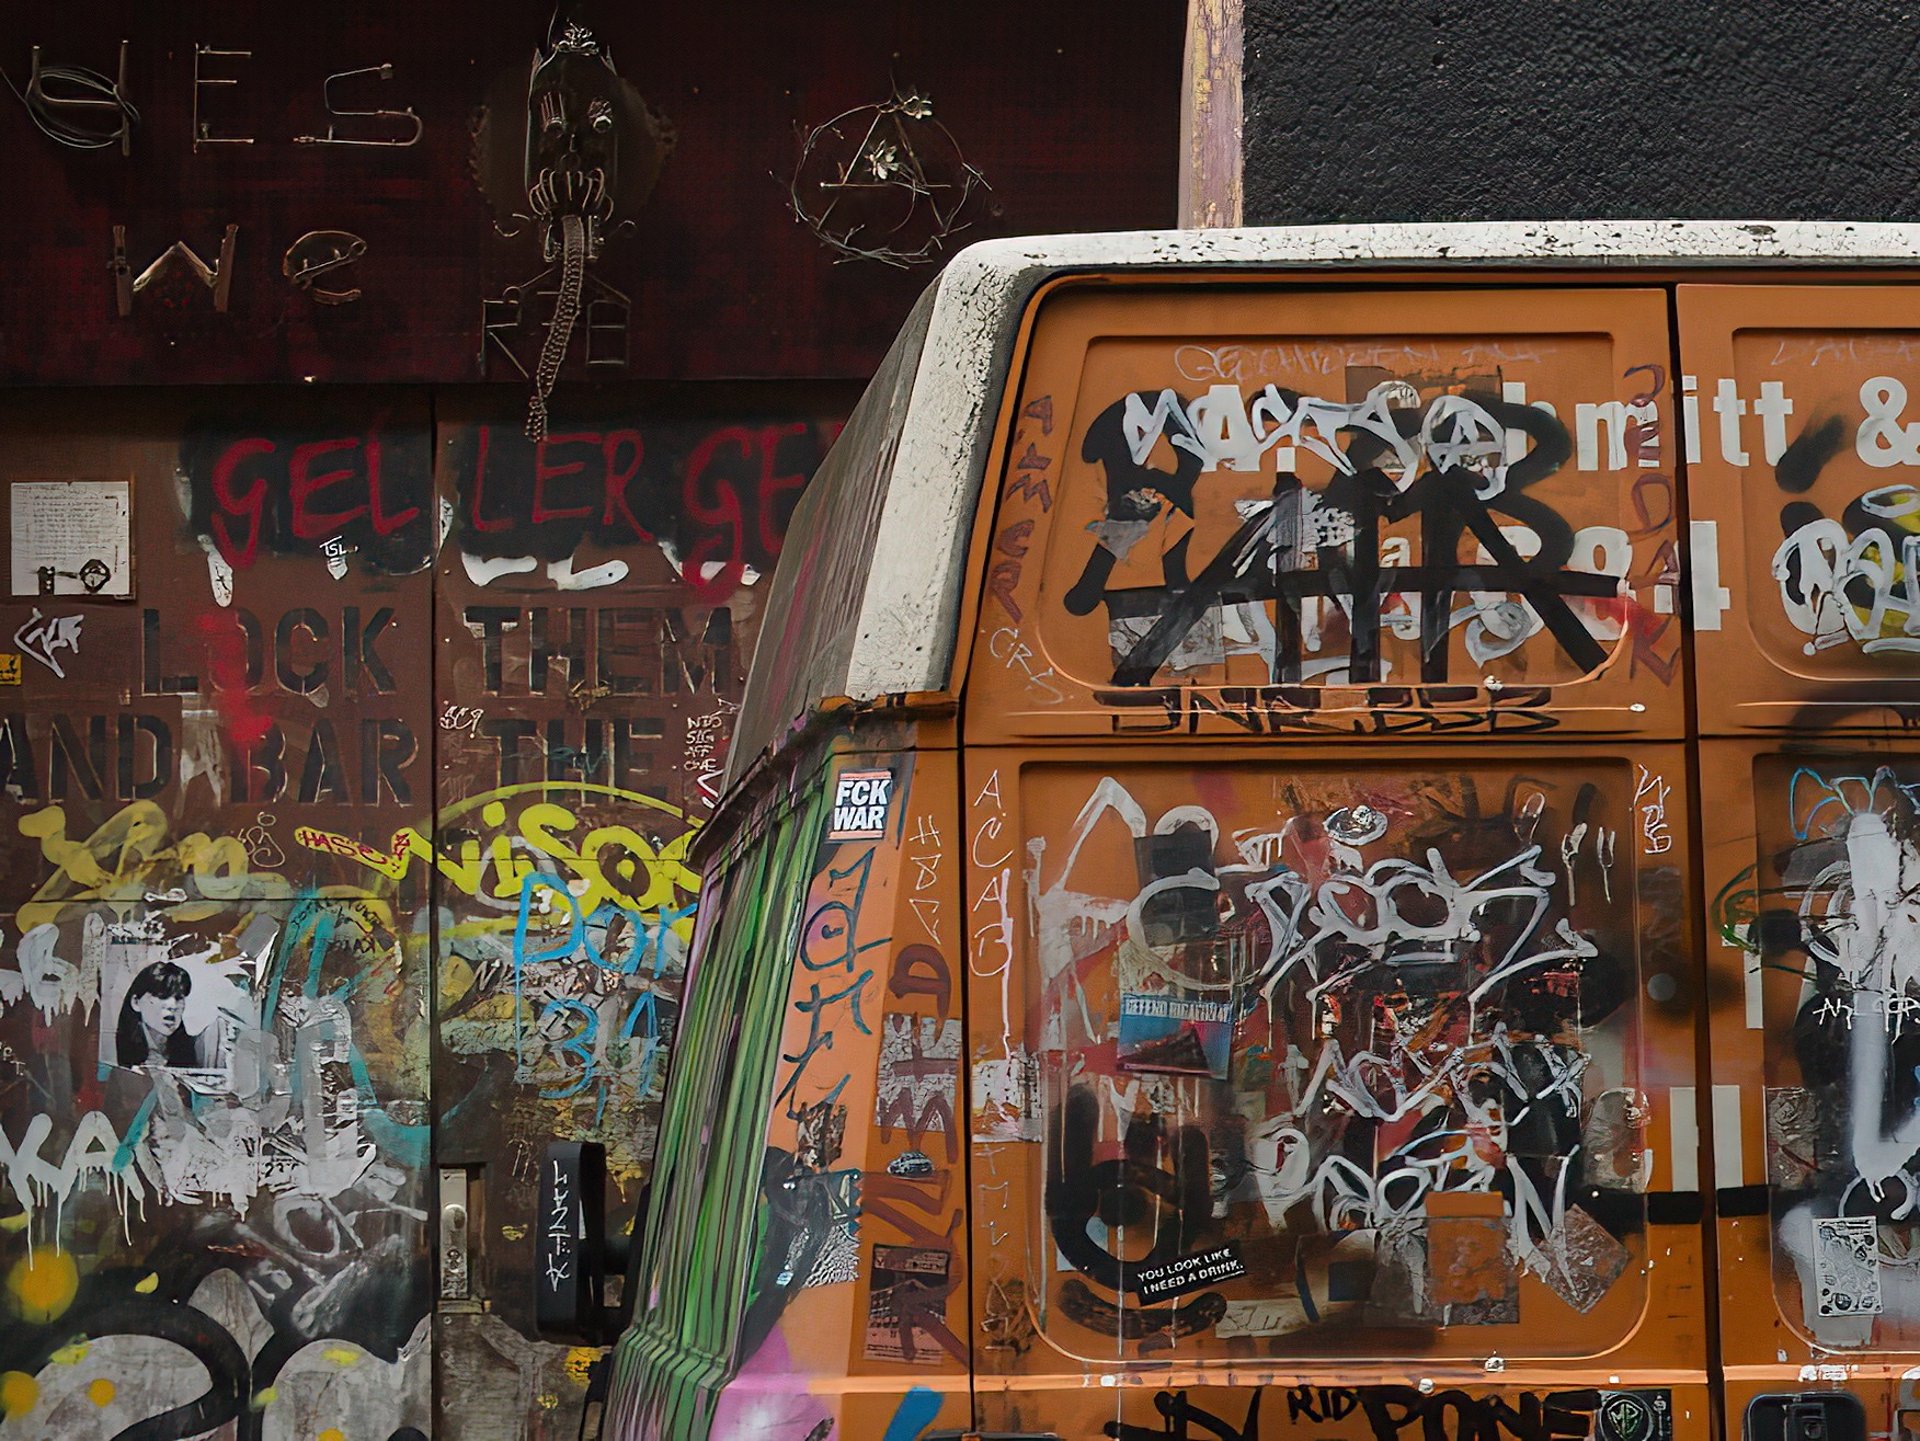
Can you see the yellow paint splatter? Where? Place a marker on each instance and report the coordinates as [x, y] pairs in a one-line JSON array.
[[456, 978], [19, 1393], [548, 1402], [148, 1283], [45, 1284], [101, 1392], [514, 1233], [71, 1355], [341, 1355], [14, 1223], [579, 1361], [332, 1433], [265, 1397]]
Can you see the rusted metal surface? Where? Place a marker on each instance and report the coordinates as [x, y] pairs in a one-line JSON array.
[[244, 1176]]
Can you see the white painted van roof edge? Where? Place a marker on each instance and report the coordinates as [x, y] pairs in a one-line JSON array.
[[913, 590]]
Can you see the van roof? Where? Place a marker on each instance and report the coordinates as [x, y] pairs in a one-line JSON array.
[[867, 593]]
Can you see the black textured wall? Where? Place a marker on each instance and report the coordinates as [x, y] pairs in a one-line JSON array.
[[1530, 109]]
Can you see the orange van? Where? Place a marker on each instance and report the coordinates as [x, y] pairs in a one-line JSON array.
[[1324, 842]]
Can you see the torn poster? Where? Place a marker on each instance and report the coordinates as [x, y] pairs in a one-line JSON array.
[[1846, 1259], [1175, 1034]]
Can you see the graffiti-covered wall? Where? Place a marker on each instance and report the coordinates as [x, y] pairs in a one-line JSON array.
[[347, 769], [215, 1101]]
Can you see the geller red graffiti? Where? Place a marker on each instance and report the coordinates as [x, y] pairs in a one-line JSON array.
[[715, 499], [294, 493]]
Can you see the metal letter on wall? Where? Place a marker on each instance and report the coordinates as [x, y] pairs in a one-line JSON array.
[[217, 277]]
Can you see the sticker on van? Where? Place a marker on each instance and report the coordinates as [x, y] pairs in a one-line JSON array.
[[1177, 1035], [1154, 1284], [860, 801]]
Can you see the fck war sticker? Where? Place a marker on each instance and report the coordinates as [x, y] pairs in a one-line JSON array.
[[860, 801]]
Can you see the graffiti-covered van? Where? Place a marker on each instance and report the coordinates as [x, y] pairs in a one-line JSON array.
[[1324, 842]]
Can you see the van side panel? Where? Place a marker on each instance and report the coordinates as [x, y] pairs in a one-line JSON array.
[[857, 1317]]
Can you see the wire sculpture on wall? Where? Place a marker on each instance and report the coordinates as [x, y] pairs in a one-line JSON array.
[[91, 112], [585, 155], [320, 254], [884, 182], [402, 128]]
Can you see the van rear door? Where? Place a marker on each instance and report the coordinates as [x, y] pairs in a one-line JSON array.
[[1331, 998]]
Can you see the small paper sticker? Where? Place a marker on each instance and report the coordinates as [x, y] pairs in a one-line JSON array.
[[906, 1306], [1633, 1416], [9, 667], [1846, 1260], [1189, 1273], [1264, 1316], [72, 538]]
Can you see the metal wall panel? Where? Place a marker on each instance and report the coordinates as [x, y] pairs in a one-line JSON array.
[[243, 1179]]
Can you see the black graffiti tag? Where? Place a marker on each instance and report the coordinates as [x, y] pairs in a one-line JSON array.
[[1268, 559], [1182, 1415], [1393, 1413], [1135, 1192]]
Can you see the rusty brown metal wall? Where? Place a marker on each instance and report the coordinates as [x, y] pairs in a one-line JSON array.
[[1068, 113], [251, 1191]]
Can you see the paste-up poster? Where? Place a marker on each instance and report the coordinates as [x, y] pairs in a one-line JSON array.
[[1179, 1035], [72, 537]]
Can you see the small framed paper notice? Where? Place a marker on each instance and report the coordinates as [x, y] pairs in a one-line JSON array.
[[73, 537]]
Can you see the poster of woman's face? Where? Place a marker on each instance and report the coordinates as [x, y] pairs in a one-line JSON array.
[[162, 1010], [152, 1019]]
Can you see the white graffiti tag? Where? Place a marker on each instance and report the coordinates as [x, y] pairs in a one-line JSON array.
[[42, 636], [1837, 587]]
